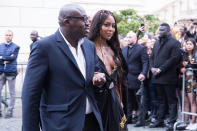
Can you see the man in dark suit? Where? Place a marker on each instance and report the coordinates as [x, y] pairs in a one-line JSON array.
[[34, 37], [58, 86], [137, 60], [164, 62]]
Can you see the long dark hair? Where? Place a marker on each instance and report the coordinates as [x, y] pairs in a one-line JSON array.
[[114, 43], [193, 51]]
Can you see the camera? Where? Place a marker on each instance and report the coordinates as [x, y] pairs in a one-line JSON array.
[[142, 24]]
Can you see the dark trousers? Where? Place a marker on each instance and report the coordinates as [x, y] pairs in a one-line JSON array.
[[166, 95], [91, 123], [150, 97], [132, 101]]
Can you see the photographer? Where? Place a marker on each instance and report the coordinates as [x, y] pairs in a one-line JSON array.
[[140, 30], [191, 32]]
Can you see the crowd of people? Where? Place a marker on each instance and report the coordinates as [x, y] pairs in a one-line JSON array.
[[171, 52], [84, 77]]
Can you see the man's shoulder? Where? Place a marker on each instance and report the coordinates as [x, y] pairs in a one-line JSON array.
[[44, 43], [174, 42], [87, 41], [139, 45], [124, 48], [173, 39], [46, 40], [2, 44], [14, 44]]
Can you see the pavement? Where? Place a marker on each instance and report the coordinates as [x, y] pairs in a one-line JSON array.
[[15, 123]]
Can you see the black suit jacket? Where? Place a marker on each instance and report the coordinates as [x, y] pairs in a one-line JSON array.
[[55, 85], [137, 61], [166, 55]]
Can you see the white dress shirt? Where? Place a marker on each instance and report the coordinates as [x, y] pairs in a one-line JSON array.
[[80, 59]]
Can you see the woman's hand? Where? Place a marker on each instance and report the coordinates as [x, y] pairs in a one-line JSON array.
[[98, 79]]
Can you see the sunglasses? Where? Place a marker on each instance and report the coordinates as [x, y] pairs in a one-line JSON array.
[[83, 18]]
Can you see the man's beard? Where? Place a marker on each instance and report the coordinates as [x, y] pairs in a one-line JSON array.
[[7, 42], [131, 44], [164, 36]]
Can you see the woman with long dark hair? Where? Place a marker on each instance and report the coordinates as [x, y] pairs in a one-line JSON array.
[[111, 97], [190, 82]]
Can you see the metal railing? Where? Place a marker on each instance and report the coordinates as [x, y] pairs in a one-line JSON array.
[[21, 68], [183, 99]]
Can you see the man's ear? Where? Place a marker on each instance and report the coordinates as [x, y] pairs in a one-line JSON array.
[[66, 21]]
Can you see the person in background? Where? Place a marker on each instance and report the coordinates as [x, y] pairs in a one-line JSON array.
[[192, 28], [164, 61], [190, 82], [137, 61], [182, 34], [122, 41], [8, 69], [149, 90], [175, 31], [34, 37]]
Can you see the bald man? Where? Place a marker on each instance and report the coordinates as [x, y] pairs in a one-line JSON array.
[[59, 82], [34, 37], [137, 60], [8, 69]]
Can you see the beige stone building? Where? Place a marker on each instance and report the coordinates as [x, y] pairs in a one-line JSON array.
[[177, 10], [23, 16]]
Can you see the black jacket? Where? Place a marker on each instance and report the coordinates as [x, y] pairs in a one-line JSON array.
[[166, 56], [137, 61]]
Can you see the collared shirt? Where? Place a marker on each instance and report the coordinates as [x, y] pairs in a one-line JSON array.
[[80, 59], [8, 43]]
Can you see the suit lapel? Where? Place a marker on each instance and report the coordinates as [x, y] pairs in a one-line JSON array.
[[87, 56], [62, 45]]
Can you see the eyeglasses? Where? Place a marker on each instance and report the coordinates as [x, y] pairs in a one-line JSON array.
[[83, 18]]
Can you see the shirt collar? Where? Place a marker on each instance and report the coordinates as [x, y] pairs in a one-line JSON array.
[[131, 45], [80, 42], [8, 43]]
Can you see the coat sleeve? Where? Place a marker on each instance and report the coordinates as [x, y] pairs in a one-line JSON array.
[[32, 88], [151, 59], [144, 59], [13, 56]]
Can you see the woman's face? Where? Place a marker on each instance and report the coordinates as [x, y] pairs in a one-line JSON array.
[[189, 46], [108, 28]]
